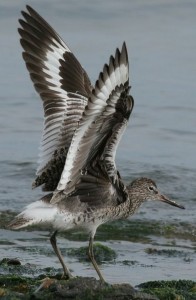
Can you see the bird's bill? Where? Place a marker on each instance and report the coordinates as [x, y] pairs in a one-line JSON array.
[[171, 202]]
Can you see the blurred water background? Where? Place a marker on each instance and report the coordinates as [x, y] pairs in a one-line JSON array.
[[160, 141]]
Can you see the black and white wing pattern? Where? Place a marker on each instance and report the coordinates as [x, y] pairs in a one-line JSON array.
[[64, 87], [99, 131]]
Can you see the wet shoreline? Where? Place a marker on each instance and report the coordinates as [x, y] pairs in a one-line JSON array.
[[15, 287], [138, 249]]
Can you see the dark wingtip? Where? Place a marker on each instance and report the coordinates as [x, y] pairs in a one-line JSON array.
[[29, 8], [124, 59], [30, 11], [124, 46], [124, 49], [182, 207]]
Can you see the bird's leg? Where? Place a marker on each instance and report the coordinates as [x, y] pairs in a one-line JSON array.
[[66, 272], [91, 257]]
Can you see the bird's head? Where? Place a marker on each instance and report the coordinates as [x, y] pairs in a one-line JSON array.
[[146, 189]]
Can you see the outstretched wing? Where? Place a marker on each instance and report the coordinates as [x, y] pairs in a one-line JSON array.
[[103, 122], [100, 184], [64, 87]]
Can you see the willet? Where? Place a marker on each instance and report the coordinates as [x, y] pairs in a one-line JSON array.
[[82, 128]]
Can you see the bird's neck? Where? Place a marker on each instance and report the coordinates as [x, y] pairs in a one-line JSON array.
[[131, 205], [123, 210]]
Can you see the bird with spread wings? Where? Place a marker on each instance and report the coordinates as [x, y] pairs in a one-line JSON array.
[[83, 125]]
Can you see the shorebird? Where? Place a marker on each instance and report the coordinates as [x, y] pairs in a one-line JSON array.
[[82, 129]]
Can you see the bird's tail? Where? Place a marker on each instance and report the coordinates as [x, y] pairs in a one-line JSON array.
[[38, 212]]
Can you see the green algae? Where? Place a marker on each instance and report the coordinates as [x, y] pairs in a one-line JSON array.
[[12, 262], [8, 267], [79, 288], [171, 290], [129, 262], [102, 253], [18, 286], [137, 231], [15, 287], [168, 253]]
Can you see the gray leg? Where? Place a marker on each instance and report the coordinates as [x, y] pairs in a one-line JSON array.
[[66, 272], [91, 257]]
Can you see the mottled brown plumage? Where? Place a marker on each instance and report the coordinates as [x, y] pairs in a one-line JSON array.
[[82, 130]]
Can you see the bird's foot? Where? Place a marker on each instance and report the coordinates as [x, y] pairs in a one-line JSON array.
[[67, 275], [103, 282]]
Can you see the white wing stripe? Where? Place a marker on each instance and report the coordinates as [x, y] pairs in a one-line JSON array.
[[55, 73], [85, 135]]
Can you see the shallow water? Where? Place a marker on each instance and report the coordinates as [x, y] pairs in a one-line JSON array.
[[160, 141]]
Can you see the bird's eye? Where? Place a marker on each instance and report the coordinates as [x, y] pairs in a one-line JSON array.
[[151, 188]]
